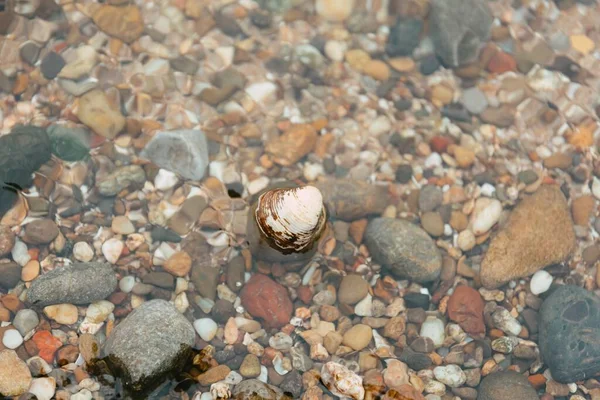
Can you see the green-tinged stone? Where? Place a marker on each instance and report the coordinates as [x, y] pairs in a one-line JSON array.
[[69, 144]]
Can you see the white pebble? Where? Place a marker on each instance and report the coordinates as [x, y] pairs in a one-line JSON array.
[[466, 240], [335, 50], [540, 282], [450, 375], [19, 253], [264, 374], [83, 394], [313, 171], [165, 180], [433, 160], [43, 388], [83, 252], [433, 328], [206, 328], [263, 93], [98, 311], [12, 339], [364, 307], [126, 283], [112, 249], [485, 215]]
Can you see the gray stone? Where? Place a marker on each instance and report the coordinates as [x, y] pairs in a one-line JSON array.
[[151, 342], [25, 321], [404, 37], [404, 248], [459, 28], [69, 143], [51, 65], [474, 100], [506, 385], [80, 87], [121, 178], [184, 152], [185, 64], [78, 283], [30, 52], [254, 389], [569, 334], [430, 198], [10, 274]]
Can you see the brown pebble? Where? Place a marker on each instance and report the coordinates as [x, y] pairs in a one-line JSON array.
[[459, 221], [432, 223], [582, 209], [558, 160]]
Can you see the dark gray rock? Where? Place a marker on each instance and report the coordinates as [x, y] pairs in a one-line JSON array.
[[404, 37], [184, 152], [185, 64], [506, 385], [150, 343], [69, 143], [52, 64], [404, 248], [22, 152], [29, 52], [10, 274], [254, 389], [569, 334], [78, 283], [415, 360], [459, 28], [292, 384]]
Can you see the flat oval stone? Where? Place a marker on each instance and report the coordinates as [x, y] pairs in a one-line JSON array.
[[506, 385], [569, 333]]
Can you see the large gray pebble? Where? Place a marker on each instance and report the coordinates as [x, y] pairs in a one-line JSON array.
[[506, 385], [151, 342], [78, 283], [404, 248], [459, 28], [25, 320], [184, 152]]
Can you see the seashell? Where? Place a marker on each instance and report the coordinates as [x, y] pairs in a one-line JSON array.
[[291, 220]]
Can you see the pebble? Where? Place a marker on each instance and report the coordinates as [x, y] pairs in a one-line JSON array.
[[99, 311], [452, 21], [120, 179], [334, 10], [504, 321], [404, 173], [206, 328], [353, 288], [540, 282], [358, 337], [15, 376], [83, 252], [250, 367], [43, 388], [189, 145], [250, 388], [213, 375], [351, 199], [582, 209], [150, 342], [474, 100], [264, 298], [539, 232], [485, 215], [506, 385], [112, 250], [69, 143], [430, 198], [84, 58], [10, 274], [466, 240], [25, 320], [396, 374], [465, 307], [179, 264], [122, 22], [433, 328], [292, 145], [432, 223], [97, 112], [12, 339], [341, 381], [404, 37], [41, 231], [51, 65], [568, 333], [450, 375], [78, 283], [405, 249], [122, 225], [65, 314]]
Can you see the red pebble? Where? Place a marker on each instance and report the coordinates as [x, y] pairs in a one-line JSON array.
[[266, 299], [439, 144], [502, 62], [465, 307], [305, 294], [47, 345]]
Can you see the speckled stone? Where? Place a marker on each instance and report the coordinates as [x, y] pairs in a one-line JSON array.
[[506, 385]]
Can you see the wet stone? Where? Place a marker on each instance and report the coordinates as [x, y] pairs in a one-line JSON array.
[[10, 274], [569, 335], [160, 279], [405, 249], [52, 64], [161, 234], [416, 300], [506, 385], [78, 283], [430, 198], [152, 341], [185, 64], [69, 143], [404, 37], [30, 51]]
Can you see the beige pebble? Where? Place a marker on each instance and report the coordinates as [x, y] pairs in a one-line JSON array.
[[358, 337], [122, 225], [30, 271], [62, 313]]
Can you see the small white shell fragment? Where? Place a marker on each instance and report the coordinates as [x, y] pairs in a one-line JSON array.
[[341, 381], [540, 282], [291, 217]]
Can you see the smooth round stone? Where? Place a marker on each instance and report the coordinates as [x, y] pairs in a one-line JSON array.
[[450, 375], [122, 225], [474, 100], [83, 252], [540, 282], [433, 328], [506, 385], [12, 339], [43, 388], [112, 249], [19, 253], [485, 215], [127, 283], [569, 337], [98, 312], [25, 320], [206, 328], [358, 337], [353, 288], [62, 313]]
